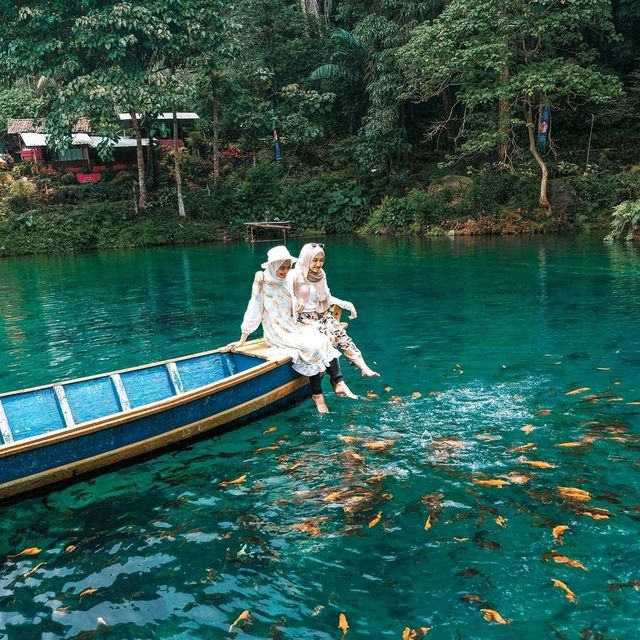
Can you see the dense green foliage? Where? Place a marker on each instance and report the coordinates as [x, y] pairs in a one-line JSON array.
[[378, 108], [625, 223]]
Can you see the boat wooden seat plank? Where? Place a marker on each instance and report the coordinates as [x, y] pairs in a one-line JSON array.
[[63, 403], [260, 349], [118, 387], [174, 377], [5, 431]]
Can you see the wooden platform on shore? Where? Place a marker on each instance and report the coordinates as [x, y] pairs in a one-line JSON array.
[[254, 229]]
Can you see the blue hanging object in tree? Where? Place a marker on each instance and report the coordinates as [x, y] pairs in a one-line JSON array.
[[277, 149], [544, 127]]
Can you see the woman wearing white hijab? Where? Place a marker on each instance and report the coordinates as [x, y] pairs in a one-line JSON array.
[[272, 304], [314, 300]]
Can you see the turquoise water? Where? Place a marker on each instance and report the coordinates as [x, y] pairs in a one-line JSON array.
[[475, 338]]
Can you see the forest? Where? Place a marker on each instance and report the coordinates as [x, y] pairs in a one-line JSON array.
[[425, 117]]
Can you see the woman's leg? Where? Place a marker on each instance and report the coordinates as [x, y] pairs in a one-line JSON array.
[[344, 342], [337, 380], [316, 393], [335, 372]]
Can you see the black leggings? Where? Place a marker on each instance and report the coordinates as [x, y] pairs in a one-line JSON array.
[[335, 375]]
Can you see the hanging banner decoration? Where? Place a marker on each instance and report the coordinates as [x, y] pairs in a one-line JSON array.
[[544, 127], [277, 149]]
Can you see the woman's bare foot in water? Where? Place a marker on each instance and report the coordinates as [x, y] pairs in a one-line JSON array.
[[343, 391], [321, 405], [366, 370]]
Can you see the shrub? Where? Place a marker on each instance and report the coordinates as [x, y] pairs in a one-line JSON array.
[[97, 225], [344, 209], [625, 222], [601, 193], [163, 199], [305, 202], [22, 169], [66, 177], [192, 167], [219, 203], [119, 178], [399, 182], [627, 187], [490, 191], [6, 179], [21, 195], [266, 192], [412, 213], [597, 194]]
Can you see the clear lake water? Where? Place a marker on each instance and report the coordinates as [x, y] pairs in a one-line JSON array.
[[485, 487]]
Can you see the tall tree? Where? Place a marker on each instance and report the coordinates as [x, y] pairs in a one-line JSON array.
[[347, 72], [375, 34], [504, 60]]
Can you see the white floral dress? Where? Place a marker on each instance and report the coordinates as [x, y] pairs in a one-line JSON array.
[[272, 304], [324, 322]]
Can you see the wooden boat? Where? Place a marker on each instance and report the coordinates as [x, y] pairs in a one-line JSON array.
[[57, 432]]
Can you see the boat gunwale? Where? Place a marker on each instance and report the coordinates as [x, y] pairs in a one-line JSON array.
[[122, 417]]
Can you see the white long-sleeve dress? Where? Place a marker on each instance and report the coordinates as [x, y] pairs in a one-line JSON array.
[[273, 305]]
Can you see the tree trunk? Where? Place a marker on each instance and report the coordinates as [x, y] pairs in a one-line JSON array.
[[176, 160], [503, 122], [142, 184], [310, 6], [216, 138], [153, 164], [528, 114], [327, 9], [445, 96]]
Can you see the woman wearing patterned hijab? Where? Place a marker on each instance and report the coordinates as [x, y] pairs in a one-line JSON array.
[[314, 300], [272, 304]]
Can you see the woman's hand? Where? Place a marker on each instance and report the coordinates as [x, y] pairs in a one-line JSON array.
[[299, 305], [353, 314], [232, 346]]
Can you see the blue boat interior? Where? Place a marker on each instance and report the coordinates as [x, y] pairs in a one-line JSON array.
[[31, 413]]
